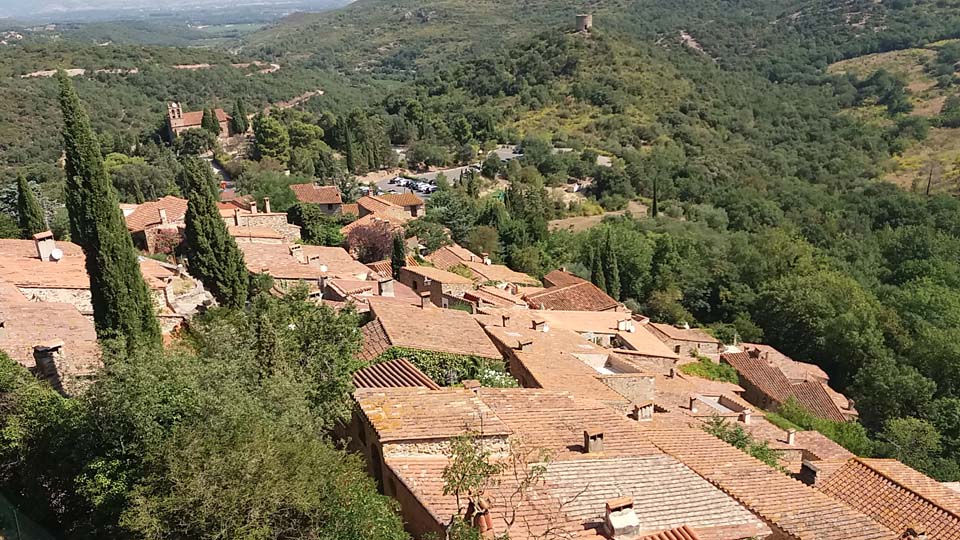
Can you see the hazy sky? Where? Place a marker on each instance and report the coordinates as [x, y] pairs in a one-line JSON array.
[[24, 8]]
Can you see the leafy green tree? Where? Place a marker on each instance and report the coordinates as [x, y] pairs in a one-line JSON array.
[[736, 436], [210, 122], [491, 166], [431, 235], [887, 389], [122, 305], [301, 163], [239, 118], [316, 227], [398, 256], [910, 440], [32, 218], [272, 138], [9, 228], [214, 256]]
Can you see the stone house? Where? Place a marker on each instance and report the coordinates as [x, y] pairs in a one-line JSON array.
[[328, 198], [688, 343], [179, 121], [444, 288]]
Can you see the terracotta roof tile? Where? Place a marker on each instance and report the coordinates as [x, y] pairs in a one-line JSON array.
[[761, 374], [385, 267], [148, 213], [813, 397], [402, 199], [440, 276], [312, 193], [494, 296], [684, 334], [666, 494], [373, 204], [352, 209], [793, 370], [278, 261], [451, 255], [579, 295], [559, 278], [254, 232], [397, 373], [396, 219], [499, 273], [433, 329], [798, 510], [639, 340], [681, 533], [409, 414], [195, 118], [375, 341], [897, 496]]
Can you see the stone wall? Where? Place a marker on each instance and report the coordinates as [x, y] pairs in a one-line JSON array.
[[79, 298], [633, 386], [496, 444], [274, 221]]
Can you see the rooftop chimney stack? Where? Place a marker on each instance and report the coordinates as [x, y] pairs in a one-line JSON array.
[[296, 251], [253, 207], [163, 215], [621, 520], [506, 320], [471, 384], [693, 404], [521, 345], [266, 204], [424, 299], [643, 412], [626, 325], [236, 217], [47, 247], [593, 441], [673, 373], [791, 437], [745, 416], [385, 287], [541, 325]]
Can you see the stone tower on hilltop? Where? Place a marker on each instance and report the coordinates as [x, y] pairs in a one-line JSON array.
[[584, 22]]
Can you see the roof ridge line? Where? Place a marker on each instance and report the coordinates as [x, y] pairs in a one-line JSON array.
[[861, 461]]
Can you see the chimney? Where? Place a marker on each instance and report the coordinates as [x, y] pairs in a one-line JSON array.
[[478, 515], [49, 357], [521, 345], [915, 533], [253, 207], [626, 325], [236, 217], [47, 247], [424, 299], [753, 353], [471, 384], [506, 320], [673, 373], [745, 416], [163, 215], [385, 287], [643, 412], [592, 441], [296, 251], [540, 325], [322, 282], [791, 437], [693, 404], [621, 520], [685, 325], [808, 473], [486, 259], [266, 204]]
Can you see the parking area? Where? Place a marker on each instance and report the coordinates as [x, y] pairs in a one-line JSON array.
[[425, 183]]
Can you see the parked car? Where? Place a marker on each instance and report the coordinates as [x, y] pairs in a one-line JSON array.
[[365, 190], [431, 189]]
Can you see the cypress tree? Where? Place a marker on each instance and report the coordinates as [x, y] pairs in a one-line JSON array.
[[210, 122], [596, 271], [654, 210], [398, 258], [240, 124], [32, 218], [214, 256], [348, 149], [611, 269], [122, 306]]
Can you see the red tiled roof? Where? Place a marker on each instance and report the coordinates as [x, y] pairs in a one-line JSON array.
[[799, 510], [433, 329], [402, 199], [373, 204], [813, 397], [768, 379], [440, 276], [253, 232], [499, 272], [375, 341], [385, 267], [397, 373], [312, 193], [195, 118], [684, 334], [148, 213], [352, 209], [896, 496], [683, 533], [559, 278], [394, 217], [582, 296], [448, 256]]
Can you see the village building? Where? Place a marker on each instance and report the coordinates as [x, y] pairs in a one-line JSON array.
[[445, 289], [179, 121], [767, 387], [44, 270], [480, 268], [566, 292], [51, 339], [327, 198], [293, 264], [245, 213], [689, 343], [156, 226], [410, 202], [423, 328]]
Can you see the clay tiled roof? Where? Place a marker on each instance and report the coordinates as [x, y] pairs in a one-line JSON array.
[[395, 218], [793, 507], [402, 199], [397, 373], [494, 296], [576, 295], [813, 397], [556, 421], [375, 341], [682, 533], [254, 232], [277, 261], [195, 118], [538, 515], [440, 276], [374, 204], [385, 267], [897, 496], [500, 273], [761, 374], [312, 193], [26, 324], [666, 494], [410, 414], [556, 360], [433, 329], [559, 278], [148, 213], [352, 209], [684, 334], [451, 255], [793, 370], [639, 340]]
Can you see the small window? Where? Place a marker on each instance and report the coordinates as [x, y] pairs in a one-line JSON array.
[[414, 284], [445, 302]]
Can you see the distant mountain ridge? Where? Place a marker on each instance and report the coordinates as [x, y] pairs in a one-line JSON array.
[[54, 8]]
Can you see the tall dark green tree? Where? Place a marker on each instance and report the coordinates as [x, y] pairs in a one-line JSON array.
[[596, 270], [214, 256], [348, 148], [210, 121], [611, 269], [32, 219], [122, 306], [240, 124], [398, 257]]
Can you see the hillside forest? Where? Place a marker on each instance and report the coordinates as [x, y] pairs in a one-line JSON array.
[[770, 175]]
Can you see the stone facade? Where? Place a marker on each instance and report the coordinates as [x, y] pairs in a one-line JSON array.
[[274, 221], [633, 386]]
